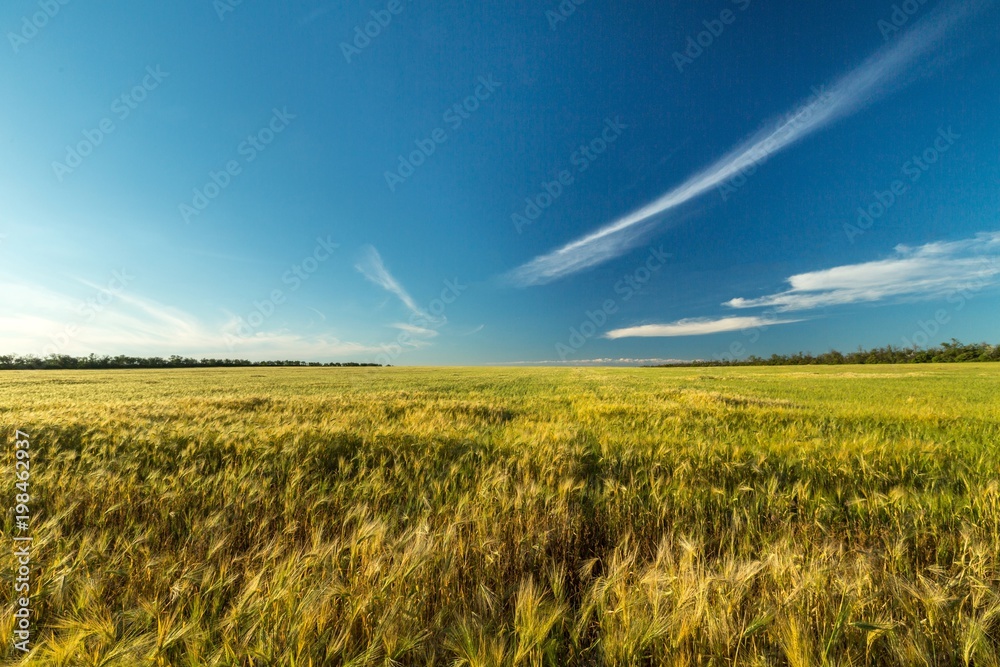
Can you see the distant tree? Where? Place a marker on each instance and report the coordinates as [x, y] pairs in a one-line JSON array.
[[950, 352], [92, 361]]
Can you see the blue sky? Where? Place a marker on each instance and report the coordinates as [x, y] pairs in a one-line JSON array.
[[513, 182]]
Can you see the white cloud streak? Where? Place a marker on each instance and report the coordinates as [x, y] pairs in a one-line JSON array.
[[41, 321], [933, 270], [924, 272], [414, 330], [373, 268], [878, 75], [694, 327]]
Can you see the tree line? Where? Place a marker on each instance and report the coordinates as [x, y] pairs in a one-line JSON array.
[[65, 361], [953, 352]]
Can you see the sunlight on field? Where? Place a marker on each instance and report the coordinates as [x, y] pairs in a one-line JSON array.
[[753, 516]]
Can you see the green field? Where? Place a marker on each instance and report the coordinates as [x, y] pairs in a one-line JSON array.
[[392, 516]]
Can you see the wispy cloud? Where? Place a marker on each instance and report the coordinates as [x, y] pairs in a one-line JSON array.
[[413, 330], [879, 74], [373, 268], [694, 327], [932, 270], [924, 272], [41, 321]]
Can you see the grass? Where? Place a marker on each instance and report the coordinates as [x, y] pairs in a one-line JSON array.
[[751, 516]]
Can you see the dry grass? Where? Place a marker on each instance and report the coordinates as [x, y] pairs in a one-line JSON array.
[[758, 516]]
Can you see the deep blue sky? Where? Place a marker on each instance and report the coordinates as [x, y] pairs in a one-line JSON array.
[[114, 228]]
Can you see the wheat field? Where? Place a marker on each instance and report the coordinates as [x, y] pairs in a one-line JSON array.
[[473, 517]]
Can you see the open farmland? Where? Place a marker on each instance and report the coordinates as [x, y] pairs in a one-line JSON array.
[[391, 516]]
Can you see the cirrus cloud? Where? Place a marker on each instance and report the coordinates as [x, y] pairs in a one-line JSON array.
[[694, 327], [882, 73], [924, 272], [916, 273]]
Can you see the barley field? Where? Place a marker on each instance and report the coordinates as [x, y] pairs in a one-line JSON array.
[[470, 517]]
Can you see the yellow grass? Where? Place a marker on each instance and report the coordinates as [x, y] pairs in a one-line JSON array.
[[753, 516]]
